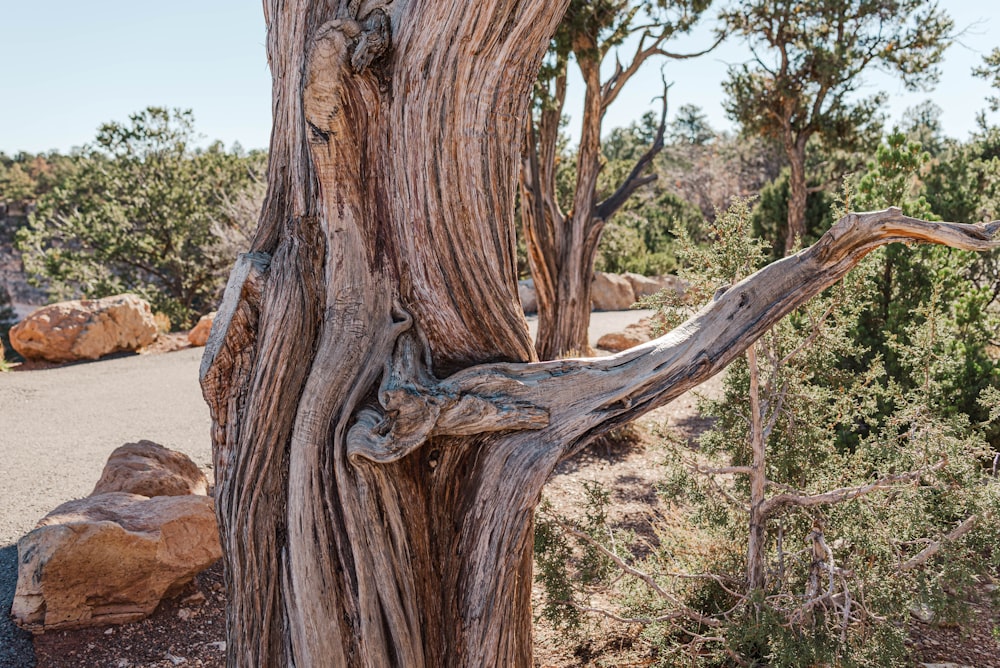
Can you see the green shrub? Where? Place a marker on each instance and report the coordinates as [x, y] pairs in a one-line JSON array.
[[144, 211]]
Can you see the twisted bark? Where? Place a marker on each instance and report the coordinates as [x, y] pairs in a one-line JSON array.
[[381, 431]]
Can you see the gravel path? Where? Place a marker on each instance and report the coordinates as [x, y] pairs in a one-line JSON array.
[[58, 426]]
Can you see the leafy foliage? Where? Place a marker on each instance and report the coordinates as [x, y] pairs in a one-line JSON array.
[[922, 284], [7, 320], [144, 211], [809, 56], [990, 70], [876, 501]]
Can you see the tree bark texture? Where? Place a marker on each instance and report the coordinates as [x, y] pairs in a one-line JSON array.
[[561, 246], [381, 431], [797, 193]]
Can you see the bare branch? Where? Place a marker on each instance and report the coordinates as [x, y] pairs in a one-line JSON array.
[[635, 179], [921, 557], [724, 470], [845, 493], [588, 397], [613, 86]]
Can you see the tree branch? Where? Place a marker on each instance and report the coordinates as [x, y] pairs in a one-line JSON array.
[[588, 397], [580, 399], [635, 179], [613, 86], [921, 557], [845, 493]]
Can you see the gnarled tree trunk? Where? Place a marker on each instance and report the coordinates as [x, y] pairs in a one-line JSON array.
[[381, 433]]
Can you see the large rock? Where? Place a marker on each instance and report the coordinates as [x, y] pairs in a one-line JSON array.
[[634, 334], [85, 329], [111, 558], [150, 469], [611, 292], [199, 335], [529, 299], [643, 286]]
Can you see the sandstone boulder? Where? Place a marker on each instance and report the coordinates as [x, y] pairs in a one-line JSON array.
[[150, 469], [611, 292], [526, 291], [199, 335], [633, 335], [111, 558], [85, 329], [643, 286]]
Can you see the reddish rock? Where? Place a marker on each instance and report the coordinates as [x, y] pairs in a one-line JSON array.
[[611, 292], [199, 335], [634, 334], [85, 329], [111, 558], [643, 286], [150, 469]]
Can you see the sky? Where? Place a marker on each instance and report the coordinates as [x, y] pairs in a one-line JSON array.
[[70, 66]]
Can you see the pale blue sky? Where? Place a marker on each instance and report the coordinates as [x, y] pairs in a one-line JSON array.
[[70, 66]]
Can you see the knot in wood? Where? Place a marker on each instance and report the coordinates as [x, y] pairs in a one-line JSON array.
[[373, 43]]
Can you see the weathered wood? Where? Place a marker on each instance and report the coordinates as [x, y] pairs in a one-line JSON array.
[[380, 428]]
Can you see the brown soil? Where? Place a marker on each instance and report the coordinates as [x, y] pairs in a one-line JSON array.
[[188, 630]]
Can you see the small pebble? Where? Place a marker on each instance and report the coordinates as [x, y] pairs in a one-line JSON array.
[[196, 598]]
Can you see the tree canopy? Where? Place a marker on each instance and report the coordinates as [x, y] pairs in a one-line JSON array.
[[807, 67]]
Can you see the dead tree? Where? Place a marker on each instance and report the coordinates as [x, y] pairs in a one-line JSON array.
[[381, 430]]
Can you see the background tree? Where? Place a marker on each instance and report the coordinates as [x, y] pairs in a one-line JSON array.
[[562, 236], [142, 211], [990, 70], [807, 67], [690, 126], [381, 431]]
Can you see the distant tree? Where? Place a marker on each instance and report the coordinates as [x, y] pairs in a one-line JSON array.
[[708, 175], [808, 59], [990, 70], [15, 184], [922, 124], [771, 214], [144, 211], [690, 126], [562, 235]]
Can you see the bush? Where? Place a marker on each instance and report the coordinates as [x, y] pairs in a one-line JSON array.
[[826, 502], [143, 211]]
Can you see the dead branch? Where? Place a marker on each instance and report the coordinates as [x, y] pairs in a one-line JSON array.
[[635, 179], [647, 579], [925, 554], [847, 493]]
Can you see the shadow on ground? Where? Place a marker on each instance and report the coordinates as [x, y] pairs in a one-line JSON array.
[[16, 650]]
